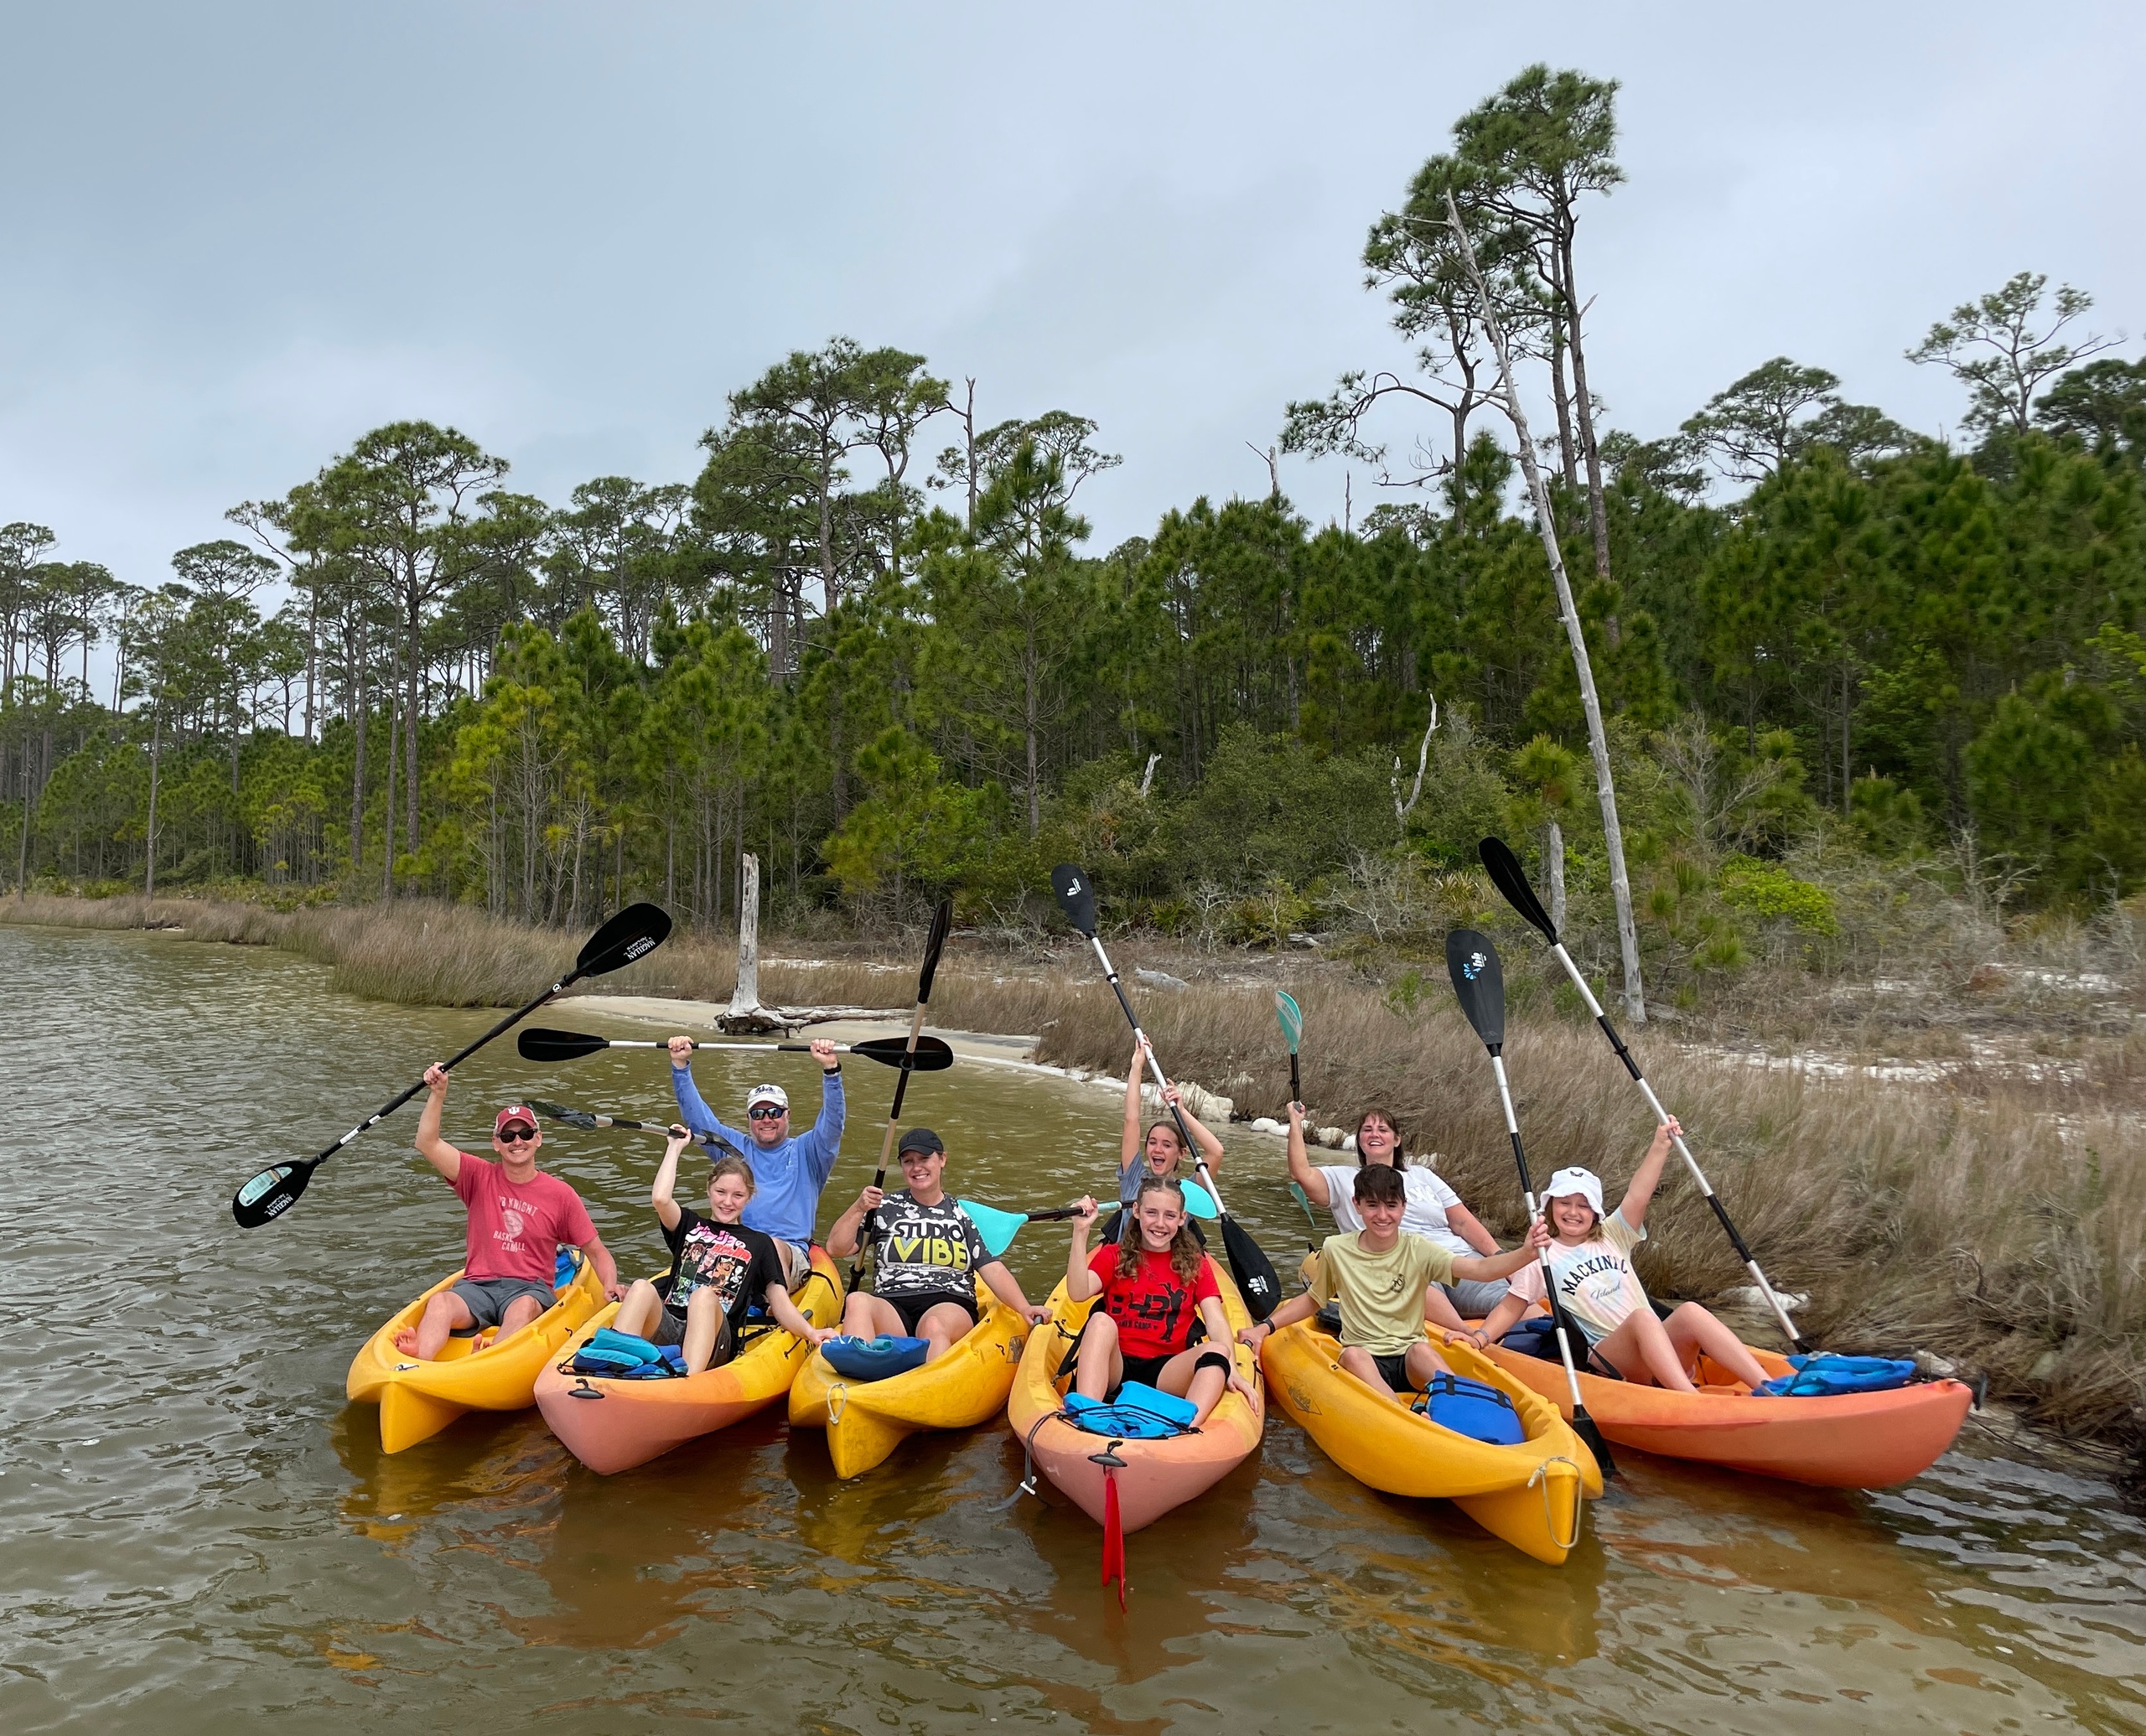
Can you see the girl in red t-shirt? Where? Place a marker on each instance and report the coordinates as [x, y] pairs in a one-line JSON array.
[[1155, 1284]]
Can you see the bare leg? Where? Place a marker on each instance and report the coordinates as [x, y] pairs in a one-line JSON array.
[[865, 1316], [941, 1327], [1424, 1362], [1359, 1363], [1204, 1388], [1101, 1363], [1640, 1349], [1692, 1327], [638, 1313], [706, 1328], [519, 1313], [444, 1315]]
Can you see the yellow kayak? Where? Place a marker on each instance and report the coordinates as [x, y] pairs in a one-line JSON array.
[[417, 1399], [866, 1420], [1530, 1494]]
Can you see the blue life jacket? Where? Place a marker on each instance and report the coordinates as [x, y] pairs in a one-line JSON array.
[[1828, 1376], [1475, 1409]]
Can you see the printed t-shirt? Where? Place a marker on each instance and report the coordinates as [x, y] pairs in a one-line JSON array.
[[924, 1250], [515, 1228], [787, 1180], [1596, 1281], [1381, 1295], [1428, 1201], [1154, 1309], [736, 1263]]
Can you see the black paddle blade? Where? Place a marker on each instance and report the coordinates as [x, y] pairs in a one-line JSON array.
[[537, 1044], [1472, 961], [559, 1112], [1256, 1278], [1590, 1435], [634, 933], [272, 1193], [1508, 876], [932, 1055], [942, 920], [1077, 898]]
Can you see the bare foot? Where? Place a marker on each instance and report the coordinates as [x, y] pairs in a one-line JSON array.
[[406, 1342]]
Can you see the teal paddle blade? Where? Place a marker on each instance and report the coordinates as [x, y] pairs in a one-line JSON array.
[[1292, 1018], [1199, 1202], [1297, 1192], [998, 1228]]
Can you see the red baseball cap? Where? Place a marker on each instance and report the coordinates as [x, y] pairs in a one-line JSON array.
[[515, 1112]]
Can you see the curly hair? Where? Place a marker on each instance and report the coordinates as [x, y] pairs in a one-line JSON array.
[[1185, 1253]]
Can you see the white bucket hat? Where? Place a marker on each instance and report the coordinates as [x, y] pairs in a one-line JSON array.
[[1584, 1182], [760, 1094]]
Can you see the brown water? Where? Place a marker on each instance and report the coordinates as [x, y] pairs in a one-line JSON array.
[[200, 1535]]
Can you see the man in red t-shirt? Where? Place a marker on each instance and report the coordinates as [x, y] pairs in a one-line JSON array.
[[518, 1217]]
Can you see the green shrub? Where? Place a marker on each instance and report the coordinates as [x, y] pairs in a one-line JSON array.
[[1768, 891]]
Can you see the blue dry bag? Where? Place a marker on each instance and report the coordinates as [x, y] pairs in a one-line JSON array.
[[874, 1359], [1475, 1409], [1138, 1412], [1828, 1377]]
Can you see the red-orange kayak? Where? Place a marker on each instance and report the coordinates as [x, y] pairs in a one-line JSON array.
[[612, 1426], [1859, 1440], [1153, 1476]]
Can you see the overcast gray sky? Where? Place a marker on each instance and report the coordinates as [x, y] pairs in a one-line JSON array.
[[232, 237]]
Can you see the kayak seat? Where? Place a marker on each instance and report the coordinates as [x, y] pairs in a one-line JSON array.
[[1536, 1335]]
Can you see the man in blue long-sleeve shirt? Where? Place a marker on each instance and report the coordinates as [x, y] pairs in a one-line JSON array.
[[788, 1173]]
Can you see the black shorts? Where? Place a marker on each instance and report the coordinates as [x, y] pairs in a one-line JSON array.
[[914, 1308], [1394, 1372], [1146, 1369]]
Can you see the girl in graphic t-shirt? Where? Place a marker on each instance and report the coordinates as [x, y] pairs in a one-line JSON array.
[[1153, 1285], [720, 1268], [1590, 1263]]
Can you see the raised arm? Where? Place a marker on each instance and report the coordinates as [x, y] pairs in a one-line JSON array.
[[1640, 1194], [667, 1179], [432, 1145], [825, 1138], [692, 1110], [1129, 1143], [1080, 1283], [1210, 1147], [1301, 1171]]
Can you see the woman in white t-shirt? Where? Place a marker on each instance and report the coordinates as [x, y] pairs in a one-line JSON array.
[[1432, 1211], [1590, 1261]]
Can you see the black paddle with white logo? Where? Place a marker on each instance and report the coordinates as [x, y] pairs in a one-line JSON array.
[[1479, 982], [634, 933]]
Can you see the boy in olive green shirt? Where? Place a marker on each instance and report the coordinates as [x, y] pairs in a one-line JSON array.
[[1379, 1276]]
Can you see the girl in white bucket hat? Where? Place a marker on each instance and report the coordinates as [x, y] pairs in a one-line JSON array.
[[1590, 1261]]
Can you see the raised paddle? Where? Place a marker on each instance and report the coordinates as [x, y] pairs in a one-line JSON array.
[[1292, 1033], [1506, 875], [934, 942], [930, 1055], [634, 933], [1254, 1271], [1472, 961], [589, 1121], [999, 1228]]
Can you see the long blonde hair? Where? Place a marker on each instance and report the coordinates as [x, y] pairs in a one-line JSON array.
[[1185, 1253]]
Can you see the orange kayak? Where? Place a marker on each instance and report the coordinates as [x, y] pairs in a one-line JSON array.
[[1155, 1475], [612, 1426], [1858, 1440]]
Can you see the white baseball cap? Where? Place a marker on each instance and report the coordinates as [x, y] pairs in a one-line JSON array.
[[1584, 1182], [760, 1094]]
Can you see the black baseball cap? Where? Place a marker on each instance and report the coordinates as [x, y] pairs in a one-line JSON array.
[[920, 1139]]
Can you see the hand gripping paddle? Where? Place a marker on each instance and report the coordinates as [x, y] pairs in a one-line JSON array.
[[1508, 876], [1478, 980], [634, 933], [1257, 1280]]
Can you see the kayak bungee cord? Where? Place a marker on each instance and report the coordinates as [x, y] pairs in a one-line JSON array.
[[1506, 875], [1478, 983]]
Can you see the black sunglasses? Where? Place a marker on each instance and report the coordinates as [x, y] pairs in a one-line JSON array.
[[516, 1135], [765, 1112]]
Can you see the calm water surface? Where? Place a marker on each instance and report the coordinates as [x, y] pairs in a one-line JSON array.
[[200, 1535]]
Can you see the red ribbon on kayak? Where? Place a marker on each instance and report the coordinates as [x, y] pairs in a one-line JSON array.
[[1113, 1538]]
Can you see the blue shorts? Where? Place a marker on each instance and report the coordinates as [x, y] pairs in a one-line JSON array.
[[488, 1298]]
